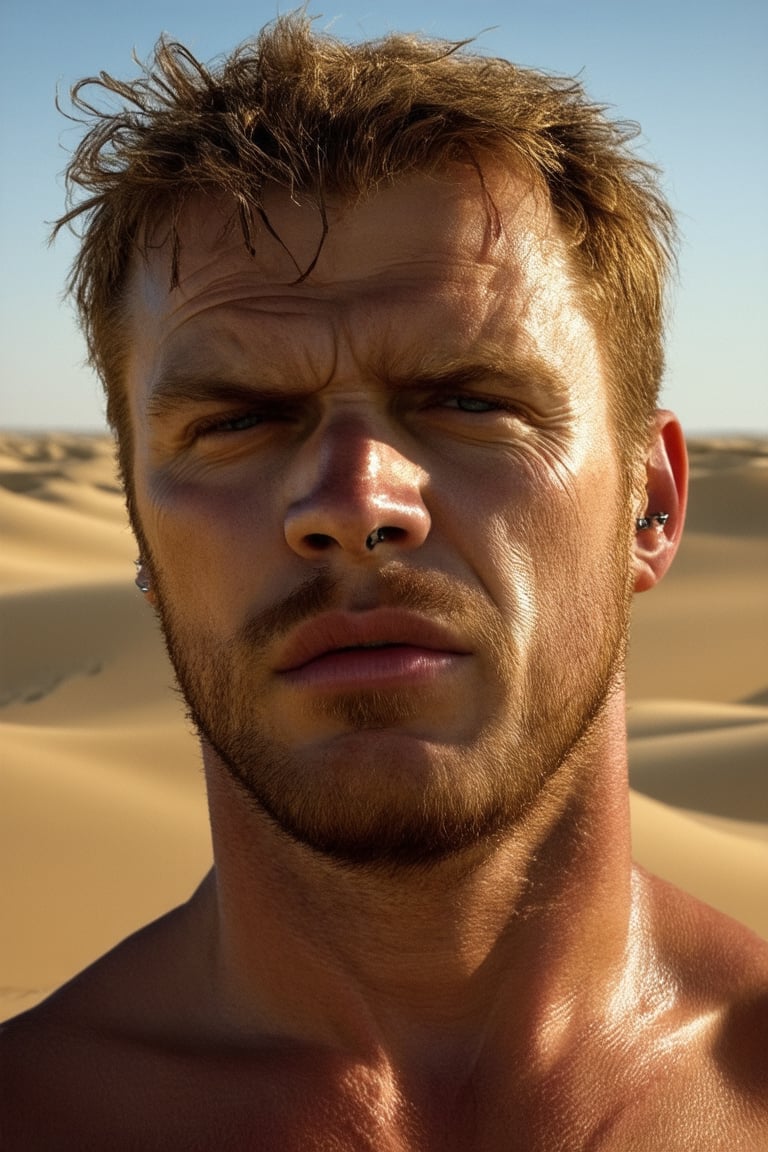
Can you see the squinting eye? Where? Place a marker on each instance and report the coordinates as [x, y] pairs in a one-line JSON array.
[[471, 404], [230, 424], [240, 423]]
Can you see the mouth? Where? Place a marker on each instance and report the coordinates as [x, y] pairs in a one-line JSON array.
[[379, 648]]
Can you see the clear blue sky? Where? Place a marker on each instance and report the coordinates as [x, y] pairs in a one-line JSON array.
[[692, 72]]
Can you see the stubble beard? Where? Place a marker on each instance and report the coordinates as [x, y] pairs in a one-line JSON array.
[[458, 799]]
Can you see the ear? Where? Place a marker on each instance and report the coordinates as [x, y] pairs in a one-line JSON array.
[[666, 490]]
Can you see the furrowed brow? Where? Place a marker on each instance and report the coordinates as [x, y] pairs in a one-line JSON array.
[[517, 373], [173, 392], [176, 390]]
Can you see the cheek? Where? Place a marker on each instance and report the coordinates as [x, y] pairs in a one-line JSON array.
[[209, 542], [552, 551], [510, 577]]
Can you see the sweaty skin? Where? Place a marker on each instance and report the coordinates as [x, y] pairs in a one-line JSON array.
[[423, 929]]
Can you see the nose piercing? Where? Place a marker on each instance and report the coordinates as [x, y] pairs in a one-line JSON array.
[[376, 537], [644, 522]]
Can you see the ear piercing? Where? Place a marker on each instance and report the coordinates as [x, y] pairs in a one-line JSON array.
[[376, 537], [142, 580], [644, 522]]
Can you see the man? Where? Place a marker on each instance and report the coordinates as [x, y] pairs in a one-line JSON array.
[[380, 328]]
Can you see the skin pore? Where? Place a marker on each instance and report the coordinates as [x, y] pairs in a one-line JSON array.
[[423, 929]]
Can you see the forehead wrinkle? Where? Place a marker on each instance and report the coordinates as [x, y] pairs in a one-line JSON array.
[[336, 326], [249, 284], [230, 352], [208, 229], [347, 307], [456, 252]]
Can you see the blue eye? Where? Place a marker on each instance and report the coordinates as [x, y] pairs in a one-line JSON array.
[[466, 403]]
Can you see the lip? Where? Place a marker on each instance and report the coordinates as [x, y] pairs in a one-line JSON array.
[[372, 647]]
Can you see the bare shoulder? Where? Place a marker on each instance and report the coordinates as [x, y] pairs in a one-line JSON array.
[[719, 970], [133, 1054], [710, 950], [81, 1041], [133, 979]]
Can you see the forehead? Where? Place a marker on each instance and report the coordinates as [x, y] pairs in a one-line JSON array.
[[433, 262], [418, 224]]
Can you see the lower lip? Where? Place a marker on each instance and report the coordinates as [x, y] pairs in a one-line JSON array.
[[373, 668]]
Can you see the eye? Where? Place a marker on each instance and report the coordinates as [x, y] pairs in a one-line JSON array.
[[234, 423], [230, 424], [465, 403]]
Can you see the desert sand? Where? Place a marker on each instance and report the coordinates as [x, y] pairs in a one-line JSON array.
[[103, 822]]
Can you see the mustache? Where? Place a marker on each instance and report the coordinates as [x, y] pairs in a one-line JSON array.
[[430, 593]]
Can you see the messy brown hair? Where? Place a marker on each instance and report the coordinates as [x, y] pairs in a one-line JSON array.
[[324, 118]]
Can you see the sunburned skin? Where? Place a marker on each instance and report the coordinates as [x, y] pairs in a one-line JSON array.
[[423, 929]]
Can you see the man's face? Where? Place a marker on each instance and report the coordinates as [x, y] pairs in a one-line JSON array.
[[433, 376]]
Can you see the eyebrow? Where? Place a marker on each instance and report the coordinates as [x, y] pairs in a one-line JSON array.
[[515, 371], [180, 390]]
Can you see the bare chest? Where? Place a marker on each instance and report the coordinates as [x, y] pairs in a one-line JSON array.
[[139, 1100]]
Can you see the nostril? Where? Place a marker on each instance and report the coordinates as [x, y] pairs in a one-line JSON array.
[[318, 541], [379, 535]]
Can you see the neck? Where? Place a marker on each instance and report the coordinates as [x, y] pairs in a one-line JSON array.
[[374, 962]]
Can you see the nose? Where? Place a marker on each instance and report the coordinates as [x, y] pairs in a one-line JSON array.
[[353, 493]]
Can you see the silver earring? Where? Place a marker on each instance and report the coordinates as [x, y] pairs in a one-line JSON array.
[[142, 580], [376, 537], [644, 522]]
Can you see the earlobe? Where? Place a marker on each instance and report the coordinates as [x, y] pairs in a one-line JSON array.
[[659, 524], [143, 581]]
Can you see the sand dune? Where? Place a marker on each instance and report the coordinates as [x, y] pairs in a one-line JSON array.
[[102, 814]]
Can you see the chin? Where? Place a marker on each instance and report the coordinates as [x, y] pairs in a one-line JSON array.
[[382, 798]]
